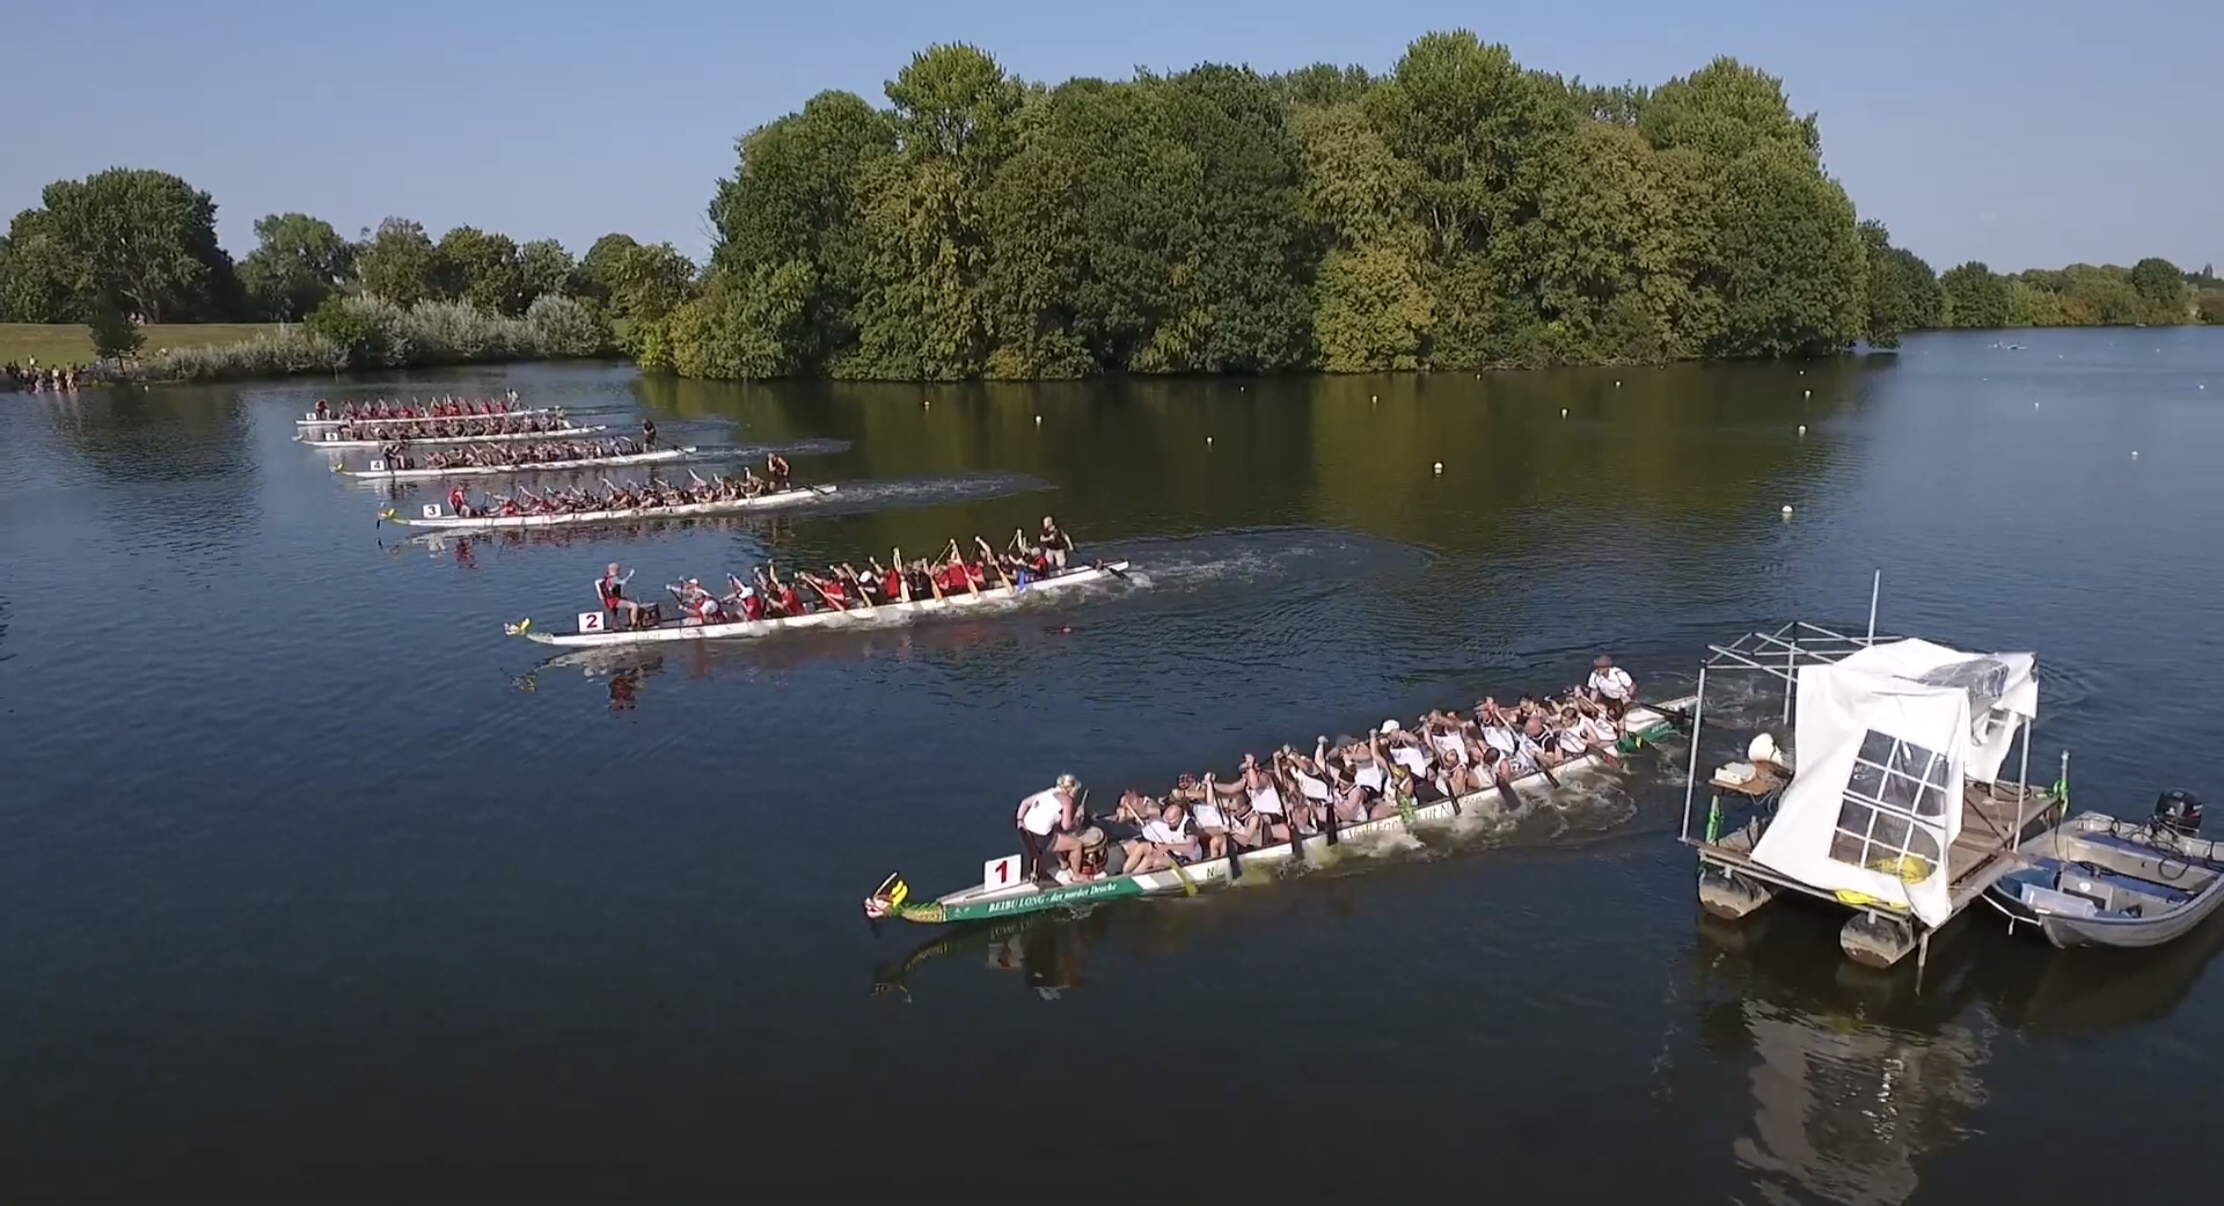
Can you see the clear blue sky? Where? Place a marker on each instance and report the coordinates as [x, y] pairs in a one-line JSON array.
[[2026, 135]]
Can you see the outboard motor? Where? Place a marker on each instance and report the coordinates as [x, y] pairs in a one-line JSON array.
[[2179, 812]]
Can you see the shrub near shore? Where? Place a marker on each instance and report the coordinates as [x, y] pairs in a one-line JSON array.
[[348, 333]]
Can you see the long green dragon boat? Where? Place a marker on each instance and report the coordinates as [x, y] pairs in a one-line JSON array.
[[992, 900]]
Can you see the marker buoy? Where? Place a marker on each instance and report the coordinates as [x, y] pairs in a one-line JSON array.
[[1803, 429], [1787, 510], [1038, 420], [1617, 385], [1374, 397], [1563, 412], [1208, 441], [1807, 393], [2135, 451], [1440, 465]]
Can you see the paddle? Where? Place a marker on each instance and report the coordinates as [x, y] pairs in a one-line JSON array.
[[1235, 854], [989, 555], [864, 597], [1297, 840], [1174, 863]]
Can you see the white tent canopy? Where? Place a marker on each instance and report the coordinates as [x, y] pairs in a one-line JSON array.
[[1885, 739]]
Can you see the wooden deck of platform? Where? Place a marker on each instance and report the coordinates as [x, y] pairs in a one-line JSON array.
[[1982, 853]]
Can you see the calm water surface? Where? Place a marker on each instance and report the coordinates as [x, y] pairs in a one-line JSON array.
[[314, 886]]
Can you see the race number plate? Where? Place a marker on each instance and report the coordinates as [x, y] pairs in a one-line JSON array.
[[1002, 872], [432, 510], [378, 466], [590, 621]]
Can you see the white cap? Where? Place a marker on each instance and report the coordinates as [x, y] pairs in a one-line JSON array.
[[1068, 781], [1389, 726], [1763, 749], [748, 592]]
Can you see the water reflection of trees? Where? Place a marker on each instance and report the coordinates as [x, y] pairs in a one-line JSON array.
[[1131, 455], [172, 434]]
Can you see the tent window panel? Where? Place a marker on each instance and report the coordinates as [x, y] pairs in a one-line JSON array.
[[1900, 792], [1912, 760], [1867, 780], [1890, 833], [1846, 848], [1894, 793], [1931, 803]]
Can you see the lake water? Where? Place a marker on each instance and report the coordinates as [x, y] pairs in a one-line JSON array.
[[313, 885]]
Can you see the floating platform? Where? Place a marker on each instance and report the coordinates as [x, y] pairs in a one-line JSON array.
[[1905, 744]]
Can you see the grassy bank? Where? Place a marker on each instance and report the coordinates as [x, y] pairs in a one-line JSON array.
[[70, 343]]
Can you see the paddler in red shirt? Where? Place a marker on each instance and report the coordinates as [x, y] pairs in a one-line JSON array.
[[459, 503]]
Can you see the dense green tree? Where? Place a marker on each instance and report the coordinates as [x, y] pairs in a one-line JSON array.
[[1902, 292], [1458, 212], [297, 263], [545, 269], [2159, 281], [401, 263], [145, 241], [634, 285], [482, 269], [37, 283], [1976, 297]]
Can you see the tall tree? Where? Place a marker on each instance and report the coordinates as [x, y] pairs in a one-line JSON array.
[[297, 263], [146, 241], [2159, 281], [37, 282], [482, 269], [544, 268], [794, 199], [401, 263], [1976, 297]]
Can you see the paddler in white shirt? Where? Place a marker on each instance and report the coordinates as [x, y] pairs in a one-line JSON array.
[[1615, 689], [1160, 842], [1048, 821]]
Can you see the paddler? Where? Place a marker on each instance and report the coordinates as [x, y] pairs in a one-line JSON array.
[[700, 605], [648, 434], [610, 588], [776, 468], [324, 411], [1614, 689], [459, 503]]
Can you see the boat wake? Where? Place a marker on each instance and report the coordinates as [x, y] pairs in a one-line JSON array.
[[1265, 557]]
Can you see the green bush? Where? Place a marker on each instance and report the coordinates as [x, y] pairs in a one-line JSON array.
[[356, 332]]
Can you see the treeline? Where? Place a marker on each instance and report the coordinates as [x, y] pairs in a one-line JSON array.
[[2152, 292], [129, 246], [1459, 212]]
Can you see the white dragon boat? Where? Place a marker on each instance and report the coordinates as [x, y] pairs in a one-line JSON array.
[[330, 441], [1004, 890], [593, 626], [379, 472], [310, 421], [434, 515]]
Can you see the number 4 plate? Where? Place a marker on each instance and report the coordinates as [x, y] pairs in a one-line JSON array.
[[1002, 872]]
